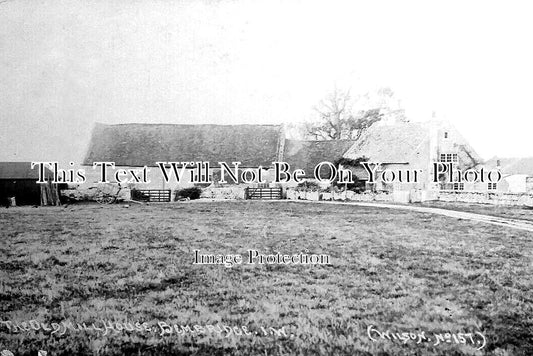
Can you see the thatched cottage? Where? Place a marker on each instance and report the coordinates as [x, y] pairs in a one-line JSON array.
[[414, 146]]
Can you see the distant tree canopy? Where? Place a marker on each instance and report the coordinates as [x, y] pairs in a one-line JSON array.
[[342, 117]]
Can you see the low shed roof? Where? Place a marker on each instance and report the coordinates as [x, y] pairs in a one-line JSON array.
[[307, 155], [18, 170], [512, 165]]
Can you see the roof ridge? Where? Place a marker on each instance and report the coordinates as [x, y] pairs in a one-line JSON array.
[[142, 144], [171, 124], [340, 140]]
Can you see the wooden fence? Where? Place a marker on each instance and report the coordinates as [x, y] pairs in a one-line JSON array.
[[263, 193], [151, 195]]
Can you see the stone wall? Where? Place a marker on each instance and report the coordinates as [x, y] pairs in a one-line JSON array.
[[347, 195], [82, 193], [234, 192], [521, 199], [414, 196]]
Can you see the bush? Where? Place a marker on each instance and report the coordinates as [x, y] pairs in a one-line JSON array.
[[191, 193], [308, 185], [357, 186]]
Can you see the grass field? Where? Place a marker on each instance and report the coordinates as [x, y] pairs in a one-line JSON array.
[[392, 270]]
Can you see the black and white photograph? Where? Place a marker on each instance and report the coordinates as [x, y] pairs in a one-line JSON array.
[[253, 177]]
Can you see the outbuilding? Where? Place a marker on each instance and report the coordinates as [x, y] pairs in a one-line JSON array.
[[19, 181]]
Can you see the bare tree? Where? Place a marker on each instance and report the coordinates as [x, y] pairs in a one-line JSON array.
[[342, 117]]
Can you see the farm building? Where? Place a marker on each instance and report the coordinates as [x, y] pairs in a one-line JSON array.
[[414, 146], [138, 145], [401, 145], [19, 181], [307, 155], [517, 173]]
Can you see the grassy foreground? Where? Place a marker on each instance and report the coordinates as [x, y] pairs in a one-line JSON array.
[[391, 270]]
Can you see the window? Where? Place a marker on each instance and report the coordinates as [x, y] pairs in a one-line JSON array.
[[492, 186], [452, 186], [448, 157], [458, 186], [446, 135]]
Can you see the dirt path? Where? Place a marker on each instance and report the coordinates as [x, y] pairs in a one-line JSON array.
[[494, 220]]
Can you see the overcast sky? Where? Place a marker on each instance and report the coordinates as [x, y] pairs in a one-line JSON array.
[[65, 65]]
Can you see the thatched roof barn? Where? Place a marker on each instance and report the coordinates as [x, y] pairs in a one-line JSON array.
[[145, 144]]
